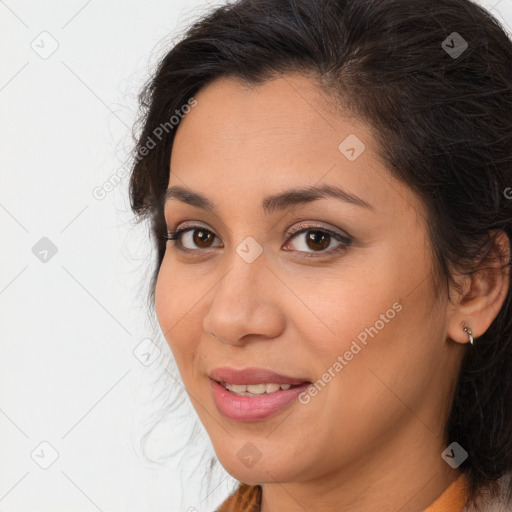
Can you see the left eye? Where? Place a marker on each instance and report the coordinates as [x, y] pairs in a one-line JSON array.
[[317, 240]]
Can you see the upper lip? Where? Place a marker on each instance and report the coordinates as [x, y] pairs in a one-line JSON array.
[[253, 376]]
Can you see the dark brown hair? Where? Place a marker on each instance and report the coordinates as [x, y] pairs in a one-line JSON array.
[[443, 123]]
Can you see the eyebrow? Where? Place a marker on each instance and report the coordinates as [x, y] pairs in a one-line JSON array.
[[272, 203]]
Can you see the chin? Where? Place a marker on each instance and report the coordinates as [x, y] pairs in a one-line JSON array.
[[265, 470]]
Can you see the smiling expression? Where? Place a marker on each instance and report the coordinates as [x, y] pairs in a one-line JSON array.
[[292, 249]]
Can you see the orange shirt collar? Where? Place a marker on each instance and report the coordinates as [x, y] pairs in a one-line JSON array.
[[453, 498]]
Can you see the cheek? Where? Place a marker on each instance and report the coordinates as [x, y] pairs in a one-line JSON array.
[[176, 307], [165, 294], [356, 302], [377, 326]]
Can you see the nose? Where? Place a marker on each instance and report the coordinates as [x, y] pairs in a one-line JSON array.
[[245, 304]]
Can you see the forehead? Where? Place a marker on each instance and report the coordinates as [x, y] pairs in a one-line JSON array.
[[239, 139], [286, 122], [281, 112]]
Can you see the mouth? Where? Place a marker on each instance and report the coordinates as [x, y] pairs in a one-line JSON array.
[[254, 394], [254, 377]]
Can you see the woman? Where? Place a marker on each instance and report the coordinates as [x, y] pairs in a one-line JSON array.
[[327, 185]]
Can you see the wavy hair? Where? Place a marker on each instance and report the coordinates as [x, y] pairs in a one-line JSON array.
[[443, 124]]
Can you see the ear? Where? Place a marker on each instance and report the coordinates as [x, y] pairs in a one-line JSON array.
[[478, 297]]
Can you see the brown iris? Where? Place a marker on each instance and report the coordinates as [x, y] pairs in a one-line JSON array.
[[318, 240], [201, 237]]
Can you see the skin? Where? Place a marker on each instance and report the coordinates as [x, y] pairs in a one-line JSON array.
[[375, 433]]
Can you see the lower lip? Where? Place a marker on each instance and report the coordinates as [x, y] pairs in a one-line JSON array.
[[248, 408]]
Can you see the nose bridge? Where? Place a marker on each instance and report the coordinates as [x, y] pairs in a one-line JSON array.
[[239, 286], [241, 300], [247, 268]]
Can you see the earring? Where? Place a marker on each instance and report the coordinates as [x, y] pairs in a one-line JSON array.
[[468, 331]]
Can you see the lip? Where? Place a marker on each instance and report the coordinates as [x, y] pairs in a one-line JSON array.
[[257, 408], [253, 376]]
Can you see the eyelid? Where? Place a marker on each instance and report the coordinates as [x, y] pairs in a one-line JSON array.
[[189, 224], [304, 225]]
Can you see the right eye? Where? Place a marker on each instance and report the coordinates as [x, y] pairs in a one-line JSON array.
[[194, 235]]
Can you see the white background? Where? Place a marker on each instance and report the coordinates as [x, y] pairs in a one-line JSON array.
[[69, 377]]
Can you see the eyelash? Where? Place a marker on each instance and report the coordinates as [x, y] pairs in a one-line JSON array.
[[345, 241]]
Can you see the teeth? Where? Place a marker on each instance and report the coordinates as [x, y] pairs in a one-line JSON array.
[[269, 388], [255, 389]]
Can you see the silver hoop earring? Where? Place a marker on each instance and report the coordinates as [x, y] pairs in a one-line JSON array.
[[468, 331]]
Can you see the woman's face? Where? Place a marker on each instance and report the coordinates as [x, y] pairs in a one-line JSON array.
[[332, 290]]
